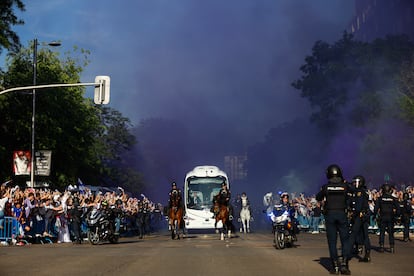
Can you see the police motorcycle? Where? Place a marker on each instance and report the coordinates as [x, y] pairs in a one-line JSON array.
[[101, 226], [283, 226]]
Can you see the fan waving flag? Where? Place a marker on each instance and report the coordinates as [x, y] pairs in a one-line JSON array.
[[81, 186]]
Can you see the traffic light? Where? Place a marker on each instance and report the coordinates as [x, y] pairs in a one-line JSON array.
[[102, 87]]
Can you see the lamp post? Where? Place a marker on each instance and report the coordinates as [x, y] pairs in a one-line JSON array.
[[32, 160]]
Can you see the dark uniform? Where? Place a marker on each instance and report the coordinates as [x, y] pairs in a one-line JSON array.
[[405, 209], [75, 214], [386, 209], [223, 198], [360, 214], [174, 190], [335, 195]]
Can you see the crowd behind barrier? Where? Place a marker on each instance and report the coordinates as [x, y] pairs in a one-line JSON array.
[[310, 218], [44, 215]]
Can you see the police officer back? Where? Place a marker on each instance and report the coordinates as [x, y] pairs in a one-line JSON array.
[[386, 208], [335, 195], [360, 214], [405, 209]]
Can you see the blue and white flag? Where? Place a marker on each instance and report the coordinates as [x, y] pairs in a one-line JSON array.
[[82, 187]]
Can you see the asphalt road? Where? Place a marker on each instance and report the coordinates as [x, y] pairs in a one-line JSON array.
[[197, 254]]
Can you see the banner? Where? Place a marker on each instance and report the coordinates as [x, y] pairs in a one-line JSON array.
[[21, 162], [43, 161]]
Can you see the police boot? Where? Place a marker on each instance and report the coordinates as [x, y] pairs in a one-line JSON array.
[[381, 250], [335, 267], [345, 268], [367, 257], [392, 249]]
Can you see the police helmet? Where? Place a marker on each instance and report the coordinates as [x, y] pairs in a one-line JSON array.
[[359, 181], [173, 184], [386, 188], [333, 171]]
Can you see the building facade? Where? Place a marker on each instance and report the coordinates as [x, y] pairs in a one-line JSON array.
[[378, 18]]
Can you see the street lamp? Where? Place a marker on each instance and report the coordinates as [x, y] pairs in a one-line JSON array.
[[32, 161]]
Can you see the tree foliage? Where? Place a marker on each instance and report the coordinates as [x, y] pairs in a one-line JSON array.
[[8, 38], [406, 88], [353, 82], [87, 141], [359, 93]]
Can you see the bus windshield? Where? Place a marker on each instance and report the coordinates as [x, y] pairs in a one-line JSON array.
[[201, 191]]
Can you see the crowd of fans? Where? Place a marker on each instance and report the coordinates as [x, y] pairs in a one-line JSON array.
[[45, 213], [309, 213]]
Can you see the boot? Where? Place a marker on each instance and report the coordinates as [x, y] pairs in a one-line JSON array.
[[381, 249], [345, 268], [392, 249], [367, 257], [335, 267]]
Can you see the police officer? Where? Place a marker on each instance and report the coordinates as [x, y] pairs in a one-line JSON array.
[[360, 214], [405, 208], [174, 190], [386, 208], [224, 196], [335, 195], [75, 214], [286, 206]]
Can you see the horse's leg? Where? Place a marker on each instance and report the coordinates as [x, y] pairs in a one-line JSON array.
[[176, 229], [223, 229], [241, 221], [248, 223]]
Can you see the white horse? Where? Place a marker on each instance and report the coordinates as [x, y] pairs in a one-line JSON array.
[[245, 215]]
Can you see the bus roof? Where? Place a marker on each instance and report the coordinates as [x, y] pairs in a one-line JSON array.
[[205, 171]]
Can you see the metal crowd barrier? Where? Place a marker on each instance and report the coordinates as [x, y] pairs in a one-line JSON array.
[[10, 229]]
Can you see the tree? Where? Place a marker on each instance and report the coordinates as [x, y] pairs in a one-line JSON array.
[[352, 82], [355, 92], [406, 89], [86, 140], [8, 38]]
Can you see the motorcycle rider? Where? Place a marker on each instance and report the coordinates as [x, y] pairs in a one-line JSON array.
[[386, 208], [360, 214], [335, 196], [284, 205], [109, 214]]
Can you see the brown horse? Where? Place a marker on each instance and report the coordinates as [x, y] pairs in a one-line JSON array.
[[222, 214], [175, 215]]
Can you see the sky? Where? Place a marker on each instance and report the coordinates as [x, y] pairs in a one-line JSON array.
[[231, 61], [217, 66]]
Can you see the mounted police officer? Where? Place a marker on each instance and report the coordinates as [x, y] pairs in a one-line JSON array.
[[174, 192], [386, 209], [359, 214], [223, 198], [334, 193]]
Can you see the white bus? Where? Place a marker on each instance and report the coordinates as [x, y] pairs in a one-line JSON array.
[[201, 185]]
